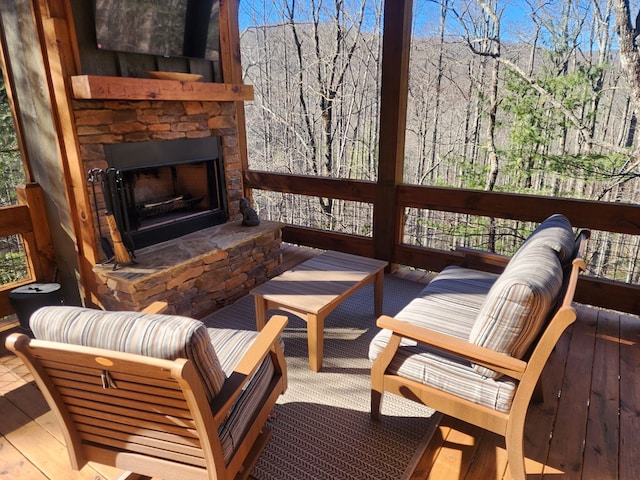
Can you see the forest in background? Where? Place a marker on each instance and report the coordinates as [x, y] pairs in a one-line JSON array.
[[13, 264], [525, 97], [520, 97]]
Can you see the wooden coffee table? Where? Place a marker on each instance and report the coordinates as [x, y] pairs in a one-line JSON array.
[[314, 288]]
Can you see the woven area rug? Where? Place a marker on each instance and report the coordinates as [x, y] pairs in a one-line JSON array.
[[321, 426]]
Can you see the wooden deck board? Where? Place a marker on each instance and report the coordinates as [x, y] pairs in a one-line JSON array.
[[14, 464], [569, 430], [603, 430], [40, 449], [586, 427], [542, 415], [458, 451], [629, 460]]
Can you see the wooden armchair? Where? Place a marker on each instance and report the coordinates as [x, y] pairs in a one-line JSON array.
[[459, 377], [157, 395]]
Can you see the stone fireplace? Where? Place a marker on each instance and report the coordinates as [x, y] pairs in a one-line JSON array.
[[166, 189], [177, 178]]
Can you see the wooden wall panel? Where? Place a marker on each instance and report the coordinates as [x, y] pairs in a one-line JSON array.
[[23, 53]]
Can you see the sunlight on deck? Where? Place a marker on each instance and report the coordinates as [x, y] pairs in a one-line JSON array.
[[574, 433]]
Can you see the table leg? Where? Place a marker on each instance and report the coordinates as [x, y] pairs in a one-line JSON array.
[[261, 312], [315, 335], [378, 285]]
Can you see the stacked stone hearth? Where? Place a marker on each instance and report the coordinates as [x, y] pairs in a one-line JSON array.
[[199, 272], [195, 274]]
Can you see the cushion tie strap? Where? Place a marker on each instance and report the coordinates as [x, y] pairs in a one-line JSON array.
[[107, 381]]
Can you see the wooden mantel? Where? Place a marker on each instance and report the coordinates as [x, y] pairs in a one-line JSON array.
[[126, 88]]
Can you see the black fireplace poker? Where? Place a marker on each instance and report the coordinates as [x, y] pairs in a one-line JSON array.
[[121, 214], [94, 175], [122, 254]]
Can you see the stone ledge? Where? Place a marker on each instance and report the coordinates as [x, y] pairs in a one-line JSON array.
[[197, 273]]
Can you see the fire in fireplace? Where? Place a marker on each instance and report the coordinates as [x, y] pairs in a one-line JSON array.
[[165, 189]]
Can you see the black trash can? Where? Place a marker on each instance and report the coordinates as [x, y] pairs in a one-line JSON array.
[[27, 299]]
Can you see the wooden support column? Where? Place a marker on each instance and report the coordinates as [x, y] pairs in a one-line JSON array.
[[38, 240], [232, 71], [388, 216], [59, 50]]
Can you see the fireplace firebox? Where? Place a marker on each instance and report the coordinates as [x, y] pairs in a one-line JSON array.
[[165, 189]]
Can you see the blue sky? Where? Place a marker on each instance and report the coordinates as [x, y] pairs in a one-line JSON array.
[[426, 13], [516, 17]]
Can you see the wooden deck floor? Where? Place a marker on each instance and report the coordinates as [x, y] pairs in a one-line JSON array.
[[585, 428]]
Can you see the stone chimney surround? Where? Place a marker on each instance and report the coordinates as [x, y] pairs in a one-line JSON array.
[[201, 271]]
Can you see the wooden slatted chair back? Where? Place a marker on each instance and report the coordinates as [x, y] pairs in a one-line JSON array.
[[148, 415], [112, 402]]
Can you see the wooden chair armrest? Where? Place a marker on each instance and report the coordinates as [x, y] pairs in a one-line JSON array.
[[499, 362], [267, 340], [481, 260], [156, 307]]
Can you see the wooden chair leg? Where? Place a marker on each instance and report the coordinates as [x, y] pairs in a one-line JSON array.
[[514, 440], [253, 456], [376, 404], [378, 370]]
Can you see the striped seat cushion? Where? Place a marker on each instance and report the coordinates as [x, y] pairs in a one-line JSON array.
[[518, 304], [230, 346], [153, 335], [449, 304], [214, 352], [504, 313], [447, 373]]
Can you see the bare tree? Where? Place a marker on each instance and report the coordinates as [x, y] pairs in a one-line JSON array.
[[330, 66], [316, 80], [629, 56], [316, 83]]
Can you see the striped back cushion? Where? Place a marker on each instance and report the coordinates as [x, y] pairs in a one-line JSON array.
[[153, 335], [555, 232], [518, 304]]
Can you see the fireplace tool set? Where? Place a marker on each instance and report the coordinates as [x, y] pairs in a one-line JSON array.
[[121, 254]]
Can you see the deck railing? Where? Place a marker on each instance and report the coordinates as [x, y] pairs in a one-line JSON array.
[[602, 216], [28, 221]]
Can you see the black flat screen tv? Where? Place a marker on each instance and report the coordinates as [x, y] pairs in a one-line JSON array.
[[168, 28]]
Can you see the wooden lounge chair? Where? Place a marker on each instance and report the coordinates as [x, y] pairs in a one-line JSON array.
[[430, 352], [156, 395]]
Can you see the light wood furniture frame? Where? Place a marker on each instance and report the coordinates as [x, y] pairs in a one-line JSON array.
[[526, 371], [151, 416], [313, 289]]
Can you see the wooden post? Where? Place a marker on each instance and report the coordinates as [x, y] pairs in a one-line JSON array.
[[29, 221], [232, 71], [38, 245], [59, 49], [388, 216]]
